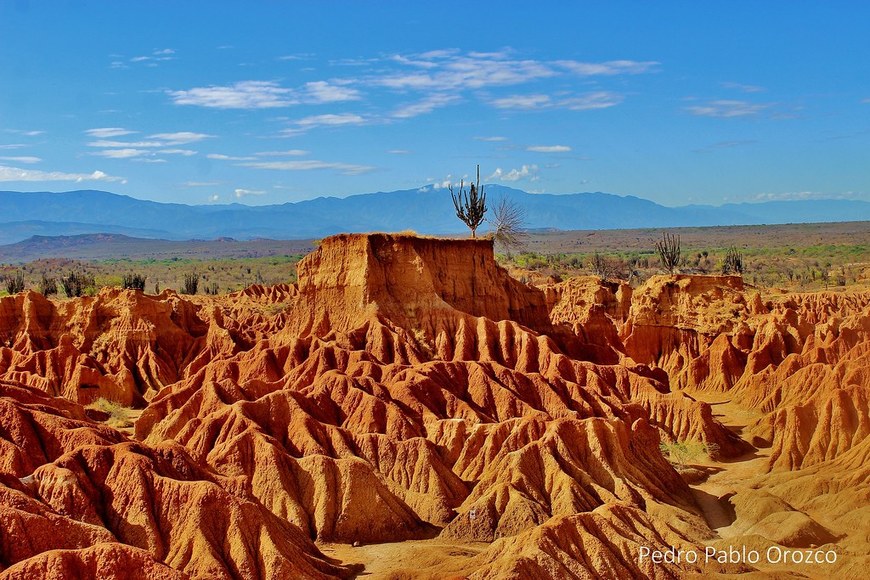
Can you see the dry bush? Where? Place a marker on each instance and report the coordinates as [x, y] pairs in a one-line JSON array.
[[682, 453], [120, 417], [508, 224], [15, 282]]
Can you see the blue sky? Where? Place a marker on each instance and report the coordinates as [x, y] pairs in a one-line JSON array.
[[269, 102]]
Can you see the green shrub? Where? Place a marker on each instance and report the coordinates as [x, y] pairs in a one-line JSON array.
[[47, 285], [190, 284], [733, 263], [76, 284], [133, 282], [682, 452]]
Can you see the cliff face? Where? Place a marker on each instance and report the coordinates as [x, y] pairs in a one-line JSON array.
[[416, 283], [407, 387]]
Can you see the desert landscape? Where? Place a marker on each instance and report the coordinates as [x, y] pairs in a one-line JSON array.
[[407, 409], [434, 291]]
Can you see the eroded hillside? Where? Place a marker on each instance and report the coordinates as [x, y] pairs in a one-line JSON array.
[[408, 390]]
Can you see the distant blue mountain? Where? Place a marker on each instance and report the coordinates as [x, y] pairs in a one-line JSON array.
[[425, 210]]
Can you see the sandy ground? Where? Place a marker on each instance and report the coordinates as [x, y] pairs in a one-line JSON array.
[[435, 558], [424, 559]]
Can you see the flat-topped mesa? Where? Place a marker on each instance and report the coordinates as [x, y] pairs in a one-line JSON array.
[[413, 282]]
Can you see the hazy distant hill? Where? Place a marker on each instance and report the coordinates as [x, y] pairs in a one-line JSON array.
[[104, 246], [424, 210]]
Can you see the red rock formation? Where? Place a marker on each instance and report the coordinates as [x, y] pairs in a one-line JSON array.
[[407, 387], [154, 504]]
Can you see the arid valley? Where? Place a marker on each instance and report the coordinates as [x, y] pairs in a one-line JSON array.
[[406, 409]]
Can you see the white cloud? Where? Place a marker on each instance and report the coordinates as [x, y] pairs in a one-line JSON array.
[[18, 174], [170, 140], [326, 120], [804, 195], [743, 88], [286, 153], [453, 72], [448, 70], [108, 132], [127, 153], [107, 143], [145, 151], [331, 119], [398, 151], [522, 102], [180, 137], [201, 183], [439, 184], [160, 55], [323, 92], [609, 68], [529, 172], [727, 108], [593, 100], [241, 95], [310, 165], [22, 159], [494, 139], [239, 193], [214, 198], [222, 157], [425, 106], [266, 95], [13, 146], [596, 100], [549, 148], [26, 133]]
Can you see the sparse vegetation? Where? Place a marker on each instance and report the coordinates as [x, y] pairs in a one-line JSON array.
[[47, 285], [668, 249], [792, 256], [14, 282], [133, 281], [681, 453], [190, 284], [733, 263], [470, 205], [76, 284], [120, 417], [602, 267]]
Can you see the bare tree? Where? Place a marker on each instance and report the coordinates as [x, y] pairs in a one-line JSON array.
[[471, 205], [668, 249], [599, 266], [507, 224]]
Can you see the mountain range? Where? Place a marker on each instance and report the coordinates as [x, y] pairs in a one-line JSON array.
[[424, 210]]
